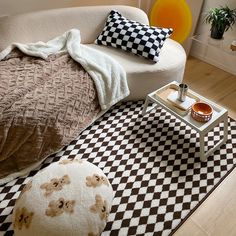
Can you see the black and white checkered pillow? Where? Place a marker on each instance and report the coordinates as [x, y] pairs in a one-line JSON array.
[[140, 39]]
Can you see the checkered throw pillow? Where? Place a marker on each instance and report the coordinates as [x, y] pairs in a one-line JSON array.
[[132, 36]]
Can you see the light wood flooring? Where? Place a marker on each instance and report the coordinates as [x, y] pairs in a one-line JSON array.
[[217, 215]]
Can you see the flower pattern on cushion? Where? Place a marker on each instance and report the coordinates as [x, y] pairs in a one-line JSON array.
[[100, 207], [23, 218], [56, 208], [55, 185], [96, 181]]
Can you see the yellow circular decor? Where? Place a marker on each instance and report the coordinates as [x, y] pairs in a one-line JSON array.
[[175, 14]]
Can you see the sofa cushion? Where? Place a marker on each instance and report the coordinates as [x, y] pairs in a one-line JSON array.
[[140, 39], [143, 76], [69, 197]]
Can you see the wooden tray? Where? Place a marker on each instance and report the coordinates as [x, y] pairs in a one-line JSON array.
[[162, 95]]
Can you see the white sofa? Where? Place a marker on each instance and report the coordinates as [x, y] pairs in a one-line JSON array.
[[143, 76]]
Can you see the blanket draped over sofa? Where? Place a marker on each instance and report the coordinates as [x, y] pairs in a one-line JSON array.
[[50, 92]]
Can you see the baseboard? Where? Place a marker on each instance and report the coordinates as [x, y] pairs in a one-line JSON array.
[[200, 55]]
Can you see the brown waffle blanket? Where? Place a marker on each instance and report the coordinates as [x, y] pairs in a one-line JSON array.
[[44, 105]]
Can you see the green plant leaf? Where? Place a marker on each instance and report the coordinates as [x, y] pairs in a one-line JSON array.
[[221, 18]]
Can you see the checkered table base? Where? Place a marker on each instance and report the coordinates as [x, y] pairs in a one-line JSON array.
[[152, 163]]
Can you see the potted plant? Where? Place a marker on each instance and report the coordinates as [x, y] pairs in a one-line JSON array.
[[221, 19]]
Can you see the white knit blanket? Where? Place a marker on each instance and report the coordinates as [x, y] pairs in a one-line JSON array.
[[109, 77]]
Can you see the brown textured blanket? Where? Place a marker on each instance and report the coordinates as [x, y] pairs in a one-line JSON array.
[[44, 105]]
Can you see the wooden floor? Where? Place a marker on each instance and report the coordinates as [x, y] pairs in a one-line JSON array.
[[217, 215], [213, 83]]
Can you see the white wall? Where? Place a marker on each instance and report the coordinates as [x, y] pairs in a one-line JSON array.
[[214, 55]]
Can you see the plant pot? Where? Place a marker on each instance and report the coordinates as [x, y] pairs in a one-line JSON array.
[[216, 33]]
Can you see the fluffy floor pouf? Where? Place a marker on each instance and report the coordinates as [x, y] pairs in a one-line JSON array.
[[66, 198]]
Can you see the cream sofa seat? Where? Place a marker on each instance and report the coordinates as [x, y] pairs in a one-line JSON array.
[[143, 76]]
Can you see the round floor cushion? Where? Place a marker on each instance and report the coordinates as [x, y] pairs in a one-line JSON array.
[[66, 198]]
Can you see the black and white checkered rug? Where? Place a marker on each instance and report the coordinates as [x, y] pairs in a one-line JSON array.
[[153, 165]]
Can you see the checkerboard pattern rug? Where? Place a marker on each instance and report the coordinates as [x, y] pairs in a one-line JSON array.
[[152, 163]]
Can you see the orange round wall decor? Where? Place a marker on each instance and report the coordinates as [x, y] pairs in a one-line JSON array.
[[175, 14]]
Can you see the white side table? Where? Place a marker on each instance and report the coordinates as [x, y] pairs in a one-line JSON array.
[[219, 114]]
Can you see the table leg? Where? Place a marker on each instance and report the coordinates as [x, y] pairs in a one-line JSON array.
[[144, 112], [202, 146], [225, 128], [145, 107], [203, 155]]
